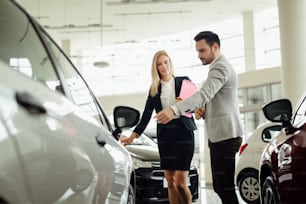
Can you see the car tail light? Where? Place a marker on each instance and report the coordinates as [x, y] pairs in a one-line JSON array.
[[242, 148]]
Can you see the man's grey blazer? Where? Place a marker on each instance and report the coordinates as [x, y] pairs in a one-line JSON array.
[[218, 95]]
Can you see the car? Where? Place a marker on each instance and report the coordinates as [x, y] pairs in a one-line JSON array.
[[63, 140], [53, 152], [282, 175], [151, 185], [247, 165]]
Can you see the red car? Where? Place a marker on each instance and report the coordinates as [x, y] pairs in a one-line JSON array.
[[283, 164]]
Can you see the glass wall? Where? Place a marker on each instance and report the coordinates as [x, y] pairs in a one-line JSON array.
[[251, 101], [266, 26], [128, 64]]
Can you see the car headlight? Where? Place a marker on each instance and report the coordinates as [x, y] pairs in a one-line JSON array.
[[140, 163]]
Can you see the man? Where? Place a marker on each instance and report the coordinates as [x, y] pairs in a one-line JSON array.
[[217, 103]]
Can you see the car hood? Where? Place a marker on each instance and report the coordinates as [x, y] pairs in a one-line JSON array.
[[144, 152]]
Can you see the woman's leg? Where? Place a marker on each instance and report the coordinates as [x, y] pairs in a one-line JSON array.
[[184, 194], [172, 191], [178, 190]]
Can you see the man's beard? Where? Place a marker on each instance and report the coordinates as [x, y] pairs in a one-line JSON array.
[[204, 62], [209, 59]]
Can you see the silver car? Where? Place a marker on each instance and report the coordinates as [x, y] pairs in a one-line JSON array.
[[52, 152], [57, 145]]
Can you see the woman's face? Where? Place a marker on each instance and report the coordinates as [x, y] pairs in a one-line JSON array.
[[164, 67]]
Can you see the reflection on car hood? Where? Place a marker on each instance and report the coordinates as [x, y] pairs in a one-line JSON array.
[[144, 152]]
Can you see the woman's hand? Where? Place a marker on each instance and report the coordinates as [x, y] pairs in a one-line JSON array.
[[199, 113], [127, 140]]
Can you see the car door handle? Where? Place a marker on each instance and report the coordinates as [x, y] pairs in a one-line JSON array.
[[100, 141], [30, 103]]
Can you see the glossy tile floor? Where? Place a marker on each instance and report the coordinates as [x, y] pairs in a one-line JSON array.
[[208, 196]]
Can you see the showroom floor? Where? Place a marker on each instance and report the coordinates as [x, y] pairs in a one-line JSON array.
[[208, 196]]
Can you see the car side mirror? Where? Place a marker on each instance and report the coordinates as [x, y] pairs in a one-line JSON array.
[[124, 117], [278, 111]]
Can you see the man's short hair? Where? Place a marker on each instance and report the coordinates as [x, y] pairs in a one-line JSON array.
[[209, 36]]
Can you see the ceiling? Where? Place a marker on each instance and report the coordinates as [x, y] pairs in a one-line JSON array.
[[96, 23]]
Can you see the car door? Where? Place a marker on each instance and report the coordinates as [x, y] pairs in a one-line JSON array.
[[64, 155], [12, 183], [43, 148]]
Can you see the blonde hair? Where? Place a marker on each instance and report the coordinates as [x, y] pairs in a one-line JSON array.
[[154, 72]]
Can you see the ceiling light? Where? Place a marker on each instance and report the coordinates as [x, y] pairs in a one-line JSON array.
[[101, 64]]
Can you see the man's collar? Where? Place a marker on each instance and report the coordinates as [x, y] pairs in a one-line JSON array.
[[215, 60]]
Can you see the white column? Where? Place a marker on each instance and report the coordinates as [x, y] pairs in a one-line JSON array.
[[79, 60], [292, 24], [249, 42]]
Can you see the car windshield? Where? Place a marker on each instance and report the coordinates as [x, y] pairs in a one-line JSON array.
[[299, 118], [26, 48], [21, 47]]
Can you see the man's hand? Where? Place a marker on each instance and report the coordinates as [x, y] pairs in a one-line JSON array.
[[178, 99], [199, 113], [165, 116]]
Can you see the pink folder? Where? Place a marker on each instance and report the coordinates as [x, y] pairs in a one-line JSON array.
[[188, 89]]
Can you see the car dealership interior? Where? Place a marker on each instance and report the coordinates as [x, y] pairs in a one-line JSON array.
[[112, 42]]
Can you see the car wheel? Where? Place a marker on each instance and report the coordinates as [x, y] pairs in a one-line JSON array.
[[268, 192], [131, 196], [249, 187]]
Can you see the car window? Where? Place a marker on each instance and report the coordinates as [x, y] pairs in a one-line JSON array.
[[79, 91], [300, 113], [269, 133], [21, 48]]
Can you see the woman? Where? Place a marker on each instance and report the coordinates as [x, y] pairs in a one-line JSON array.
[[175, 139]]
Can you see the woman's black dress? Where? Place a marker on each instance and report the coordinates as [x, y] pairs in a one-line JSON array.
[[176, 146]]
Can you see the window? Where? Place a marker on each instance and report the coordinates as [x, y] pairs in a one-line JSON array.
[[276, 92], [79, 92], [251, 100], [257, 95], [267, 39], [22, 65], [22, 50], [300, 114], [269, 133]]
